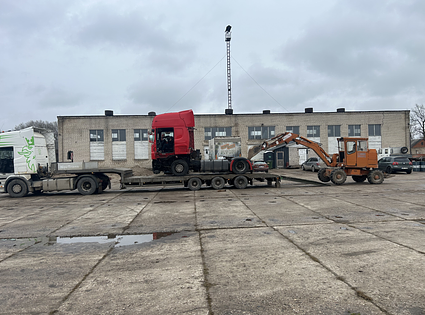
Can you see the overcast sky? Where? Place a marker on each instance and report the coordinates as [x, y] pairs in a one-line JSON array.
[[74, 57]]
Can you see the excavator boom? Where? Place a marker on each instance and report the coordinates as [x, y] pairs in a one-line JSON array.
[[284, 139]]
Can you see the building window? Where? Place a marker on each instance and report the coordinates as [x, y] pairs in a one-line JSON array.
[[140, 135], [354, 131], [118, 134], [96, 135], [261, 132], [374, 130], [334, 131], [211, 132], [313, 131], [293, 129]]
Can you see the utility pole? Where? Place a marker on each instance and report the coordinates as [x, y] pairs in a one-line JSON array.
[[227, 38]]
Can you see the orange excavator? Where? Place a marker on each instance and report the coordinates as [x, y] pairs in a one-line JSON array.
[[354, 158]]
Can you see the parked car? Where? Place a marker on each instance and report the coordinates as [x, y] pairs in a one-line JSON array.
[[392, 164], [260, 166], [312, 164]]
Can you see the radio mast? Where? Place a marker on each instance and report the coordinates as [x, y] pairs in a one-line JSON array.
[[227, 38]]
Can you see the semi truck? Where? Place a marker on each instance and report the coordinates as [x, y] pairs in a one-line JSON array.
[[173, 148], [28, 165]]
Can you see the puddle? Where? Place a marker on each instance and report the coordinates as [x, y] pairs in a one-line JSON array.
[[119, 240]]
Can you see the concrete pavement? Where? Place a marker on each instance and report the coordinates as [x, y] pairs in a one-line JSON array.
[[298, 249]]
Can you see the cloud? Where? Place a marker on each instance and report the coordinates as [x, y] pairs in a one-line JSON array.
[[374, 46]]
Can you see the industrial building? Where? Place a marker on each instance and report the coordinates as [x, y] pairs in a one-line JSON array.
[[122, 140]]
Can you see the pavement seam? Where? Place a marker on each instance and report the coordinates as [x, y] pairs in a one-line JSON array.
[[55, 311], [205, 269], [94, 208], [358, 292], [141, 211]]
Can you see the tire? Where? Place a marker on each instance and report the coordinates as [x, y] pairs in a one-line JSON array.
[[86, 186], [388, 170], [105, 181], [17, 188], [313, 169], [359, 178], [179, 167], [404, 150], [408, 171], [302, 167], [322, 177], [375, 177], [194, 183], [338, 176], [218, 182], [240, 182], [240, 167]]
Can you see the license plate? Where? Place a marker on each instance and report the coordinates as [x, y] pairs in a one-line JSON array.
[[404, 168]]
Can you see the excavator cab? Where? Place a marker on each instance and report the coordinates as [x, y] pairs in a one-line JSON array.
[[354, 152]]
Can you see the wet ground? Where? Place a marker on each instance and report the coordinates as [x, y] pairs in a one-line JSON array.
[[303, 248]]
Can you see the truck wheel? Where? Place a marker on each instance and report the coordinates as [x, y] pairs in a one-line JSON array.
[[338, 176], [86, 186], [194, 183], [179, 167], [322, 177], [17, 188], [240, 167], [240, 182], [375, 177], [218, 182], [359, 178]]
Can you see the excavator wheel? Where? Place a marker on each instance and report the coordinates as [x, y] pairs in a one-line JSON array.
[[359, 178], [338, 176], [375, 177], [322, 176]]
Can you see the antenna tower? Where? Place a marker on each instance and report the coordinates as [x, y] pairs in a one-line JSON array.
[[227, 38]]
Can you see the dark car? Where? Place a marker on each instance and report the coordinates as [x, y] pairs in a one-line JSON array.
[[260, 166], [392, 164], [312, 164]]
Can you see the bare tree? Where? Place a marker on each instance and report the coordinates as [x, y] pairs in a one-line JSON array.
[[52, 126], [417, 121]]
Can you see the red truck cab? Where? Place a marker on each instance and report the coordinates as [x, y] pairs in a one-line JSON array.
[[173, 148], [173, 145]]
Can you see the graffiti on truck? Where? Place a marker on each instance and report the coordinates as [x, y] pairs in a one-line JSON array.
[[28, 153]]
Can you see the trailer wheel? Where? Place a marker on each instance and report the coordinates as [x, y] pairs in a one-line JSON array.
[[359, 178], [218, 182], [240, 182], [17, 188], [240, 167], [194, 183], [179, 167], [322, 177], [338, 176], [375, 177], [86, 186]]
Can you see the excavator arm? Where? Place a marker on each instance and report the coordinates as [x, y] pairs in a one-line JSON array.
[[287, 137]]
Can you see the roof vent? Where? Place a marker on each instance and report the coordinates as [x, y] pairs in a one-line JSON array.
[[151, 114], [308, 110], [109, 113], [340, 110], [228, 111], [266, 111]]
